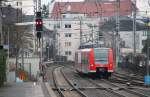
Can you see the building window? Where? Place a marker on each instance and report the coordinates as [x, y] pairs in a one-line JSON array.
[[144, 33], [67, 25], [67, 34], [64, 16], [57, 25], [18, 3], [67, 52], [67, 44]]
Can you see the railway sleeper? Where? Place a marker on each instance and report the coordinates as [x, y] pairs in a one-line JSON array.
[[63, 89]]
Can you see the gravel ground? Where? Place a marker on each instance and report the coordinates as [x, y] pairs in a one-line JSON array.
[[143, 91], [50, 77], [82, 82]]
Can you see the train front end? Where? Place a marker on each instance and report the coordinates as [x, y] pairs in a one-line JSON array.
[[102, 61]]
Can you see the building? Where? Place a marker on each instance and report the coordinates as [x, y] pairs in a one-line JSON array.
[[126, 33], [21, 11], [27, 6], [78, 23]]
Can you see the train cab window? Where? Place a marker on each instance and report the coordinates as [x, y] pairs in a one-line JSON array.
[[101, 56]]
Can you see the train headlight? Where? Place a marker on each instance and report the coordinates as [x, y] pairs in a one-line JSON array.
[[110, 65], [92, 65]]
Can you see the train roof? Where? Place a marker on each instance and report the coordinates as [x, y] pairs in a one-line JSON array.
[[102, 48], [85, 50], [89, 49]]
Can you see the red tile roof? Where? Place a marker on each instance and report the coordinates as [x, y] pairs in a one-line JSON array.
[[104, 8]]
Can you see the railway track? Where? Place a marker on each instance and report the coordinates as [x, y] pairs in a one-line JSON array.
[[123, 78], [121, 91], [127, 89], [89, 88], [131, 76], [64, 87]]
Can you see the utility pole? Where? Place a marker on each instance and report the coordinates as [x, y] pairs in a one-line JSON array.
[[8, 41], [92, 36], [147, 77], [134, 27], [1, 25], [148, 48], [117, 31], [16, 47], [54, 43], [22, 51], [39, 34], [35, 39], [40, 42], [81, 33], [39, 5]]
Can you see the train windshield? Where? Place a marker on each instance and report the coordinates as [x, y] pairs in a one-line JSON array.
[[101, 56]]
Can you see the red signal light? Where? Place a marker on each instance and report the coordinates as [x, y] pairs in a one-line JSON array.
[[39, 24], [39, 21]]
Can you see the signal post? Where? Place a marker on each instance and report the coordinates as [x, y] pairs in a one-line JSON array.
[[39, 35], [147, 76]]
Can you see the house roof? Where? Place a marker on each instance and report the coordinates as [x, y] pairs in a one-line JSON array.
[[103, 8], [126, 24]]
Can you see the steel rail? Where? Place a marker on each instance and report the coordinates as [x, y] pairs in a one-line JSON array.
[[56, 84], [78, 90], [133, 77], [127, 90], [132, 80], [67, 80], [107, 89]]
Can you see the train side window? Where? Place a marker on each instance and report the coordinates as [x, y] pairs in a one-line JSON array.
[[87, 58], [79, 57], [82, 60]]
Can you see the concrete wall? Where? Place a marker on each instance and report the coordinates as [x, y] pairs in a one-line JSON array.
[[26, 5], [127, 36], [28, 62]]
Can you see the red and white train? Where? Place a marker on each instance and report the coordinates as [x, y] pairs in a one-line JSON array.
[[97, 61]]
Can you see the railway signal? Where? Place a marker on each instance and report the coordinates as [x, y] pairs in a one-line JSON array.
[[39, 24]]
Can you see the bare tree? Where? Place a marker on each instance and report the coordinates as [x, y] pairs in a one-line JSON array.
[[19, 36]]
